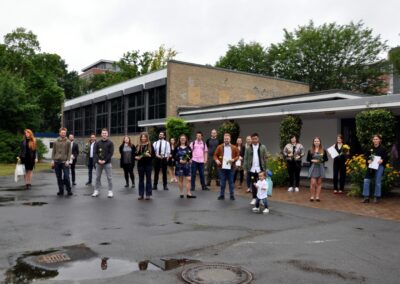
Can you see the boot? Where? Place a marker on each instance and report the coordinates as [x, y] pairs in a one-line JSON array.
[[365, 200]]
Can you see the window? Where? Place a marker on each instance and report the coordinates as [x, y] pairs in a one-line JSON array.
[[78, 123], [89, 121], [101, 116], [68, 122], [157, 102], [136, 112], [117, 116]]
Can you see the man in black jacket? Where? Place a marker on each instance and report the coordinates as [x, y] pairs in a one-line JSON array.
[[74, 156], [103, 152]]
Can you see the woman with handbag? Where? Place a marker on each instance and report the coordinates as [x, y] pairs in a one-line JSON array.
[[28, 155]]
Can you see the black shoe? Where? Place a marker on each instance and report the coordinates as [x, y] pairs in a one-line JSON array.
[[221, 197], [155, 188], [190, 196], [205, 188], [73, 183], [181, 196], [376, 199], [232, 198], [365, 200], [88, 183], [70, 193], [165, 188], [133, 186], [126, 185], [60, 193], [27, 186]]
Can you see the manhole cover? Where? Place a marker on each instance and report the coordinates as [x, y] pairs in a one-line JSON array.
[[216, 273]]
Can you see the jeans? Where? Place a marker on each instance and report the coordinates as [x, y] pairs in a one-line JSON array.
[[72, 166], [253, 179], [294, 169], [239, 172], [145, 171], [60, 168], [224, 175], [248, 181], [378, 182], [264, 201], [160, 164], [210, 173], [99, 170], [128, 172], [90, 169], [200, 167]]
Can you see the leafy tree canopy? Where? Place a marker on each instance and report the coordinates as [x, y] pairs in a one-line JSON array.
[[394, 58]]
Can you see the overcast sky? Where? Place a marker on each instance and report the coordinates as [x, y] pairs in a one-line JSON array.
[[84, 31]]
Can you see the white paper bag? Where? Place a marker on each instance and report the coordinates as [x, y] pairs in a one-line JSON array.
[[19, 171]]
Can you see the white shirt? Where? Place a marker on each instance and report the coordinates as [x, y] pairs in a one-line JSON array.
[[165, 147], [91, 150], [255, 166], [227, 152], [262, 189]]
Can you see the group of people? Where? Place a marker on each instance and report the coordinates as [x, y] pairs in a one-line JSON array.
[[183, 160]]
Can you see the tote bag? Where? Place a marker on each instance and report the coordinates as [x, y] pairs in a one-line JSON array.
[[19, 171]]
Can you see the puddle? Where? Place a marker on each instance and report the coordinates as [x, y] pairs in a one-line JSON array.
[[13, 189], [35, 203], [7, 198], [78, 262], [105, 244]]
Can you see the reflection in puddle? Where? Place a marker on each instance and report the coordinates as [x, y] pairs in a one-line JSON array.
[[35, 203]]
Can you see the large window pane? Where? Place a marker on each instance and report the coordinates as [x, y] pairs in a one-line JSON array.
[[101, 117], [78, 123], [157, 103], [68, 122], [136, 112], [89, 121], [117, 116]]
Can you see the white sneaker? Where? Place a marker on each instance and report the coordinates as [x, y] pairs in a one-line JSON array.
[[253, 201], [110, 194], [255, 209], [95, 193], [266, 211], [296, 189], [290, 189]]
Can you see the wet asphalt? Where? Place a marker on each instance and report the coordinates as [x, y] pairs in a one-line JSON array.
[[292, 244]]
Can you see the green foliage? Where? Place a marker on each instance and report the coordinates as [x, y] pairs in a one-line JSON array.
[[41, 148], [154, 131], [9, 146], [394, 58], [377, 121], [230, 127], [290, 125], [248, 57], [356, 170], [22, 41], [277, 166], [132, 64], [331, 56], [177, 126]]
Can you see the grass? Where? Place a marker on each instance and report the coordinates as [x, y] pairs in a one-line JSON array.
[[8, 169]]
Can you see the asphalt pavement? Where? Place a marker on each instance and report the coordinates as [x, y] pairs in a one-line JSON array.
[[291, 244]]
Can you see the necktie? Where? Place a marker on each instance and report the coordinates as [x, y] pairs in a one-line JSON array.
[[159, 148]]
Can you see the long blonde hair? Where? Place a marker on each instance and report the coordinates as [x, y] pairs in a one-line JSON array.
[[321, 148], [148, 144], [32, 139]]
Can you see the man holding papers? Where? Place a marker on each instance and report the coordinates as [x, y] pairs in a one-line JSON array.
[[376, 161]]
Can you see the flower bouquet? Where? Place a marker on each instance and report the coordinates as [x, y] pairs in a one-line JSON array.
[[345, 149]]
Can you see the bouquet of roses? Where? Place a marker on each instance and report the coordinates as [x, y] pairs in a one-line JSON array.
[[319, 158], [100, 153], [145, 154], [371, 155]]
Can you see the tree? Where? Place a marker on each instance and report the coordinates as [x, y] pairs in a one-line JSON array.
[[394, 58], [22, 41], [247, 57], [290, 125], [330, 56], [376, 121], [230, 127], [177, 126]]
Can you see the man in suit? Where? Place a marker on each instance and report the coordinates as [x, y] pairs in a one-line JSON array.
[[74, 156], [162, 149]]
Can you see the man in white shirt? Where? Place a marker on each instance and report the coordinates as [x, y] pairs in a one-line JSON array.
[[162, 149], [89, 156]]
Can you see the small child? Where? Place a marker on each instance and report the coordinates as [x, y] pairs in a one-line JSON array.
[[262, 189]]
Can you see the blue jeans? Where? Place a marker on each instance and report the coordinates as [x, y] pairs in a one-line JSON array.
[[145, 171], [378, 182], [60, 169], [264, 201], [224, 175], [200, 167]]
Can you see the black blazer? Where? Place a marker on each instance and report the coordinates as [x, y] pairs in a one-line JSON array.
[[133, 153], [75, 150], [145, 161]]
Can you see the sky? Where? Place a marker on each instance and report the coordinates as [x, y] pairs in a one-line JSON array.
[[83, 32]]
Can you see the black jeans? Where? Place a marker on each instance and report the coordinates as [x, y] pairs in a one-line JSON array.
[[253, 179], [239, 172], [128, 172], [90, 169], [145, 171], [72, 166], [294, 168], [339, 173], [160, 164], [61, 169]]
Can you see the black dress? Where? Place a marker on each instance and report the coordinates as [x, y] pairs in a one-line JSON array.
[[27, 155]]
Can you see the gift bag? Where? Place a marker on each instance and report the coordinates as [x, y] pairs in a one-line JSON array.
[[19, 171], [270, 184]]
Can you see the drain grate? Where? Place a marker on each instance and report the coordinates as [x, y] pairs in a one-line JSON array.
[[216, 273]]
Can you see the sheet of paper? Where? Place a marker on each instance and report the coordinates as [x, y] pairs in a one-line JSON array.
[[332, 152], [238, 163], [225, 164], [375, 165]]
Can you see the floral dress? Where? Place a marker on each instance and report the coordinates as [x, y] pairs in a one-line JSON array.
[[182, 170]]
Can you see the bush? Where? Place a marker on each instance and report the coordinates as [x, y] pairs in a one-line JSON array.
[[377, 121], [290, 125], [9, 146], [41, 149], [177, 126], [356, 170], [230, 127], [154, 131], [277, 166]]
